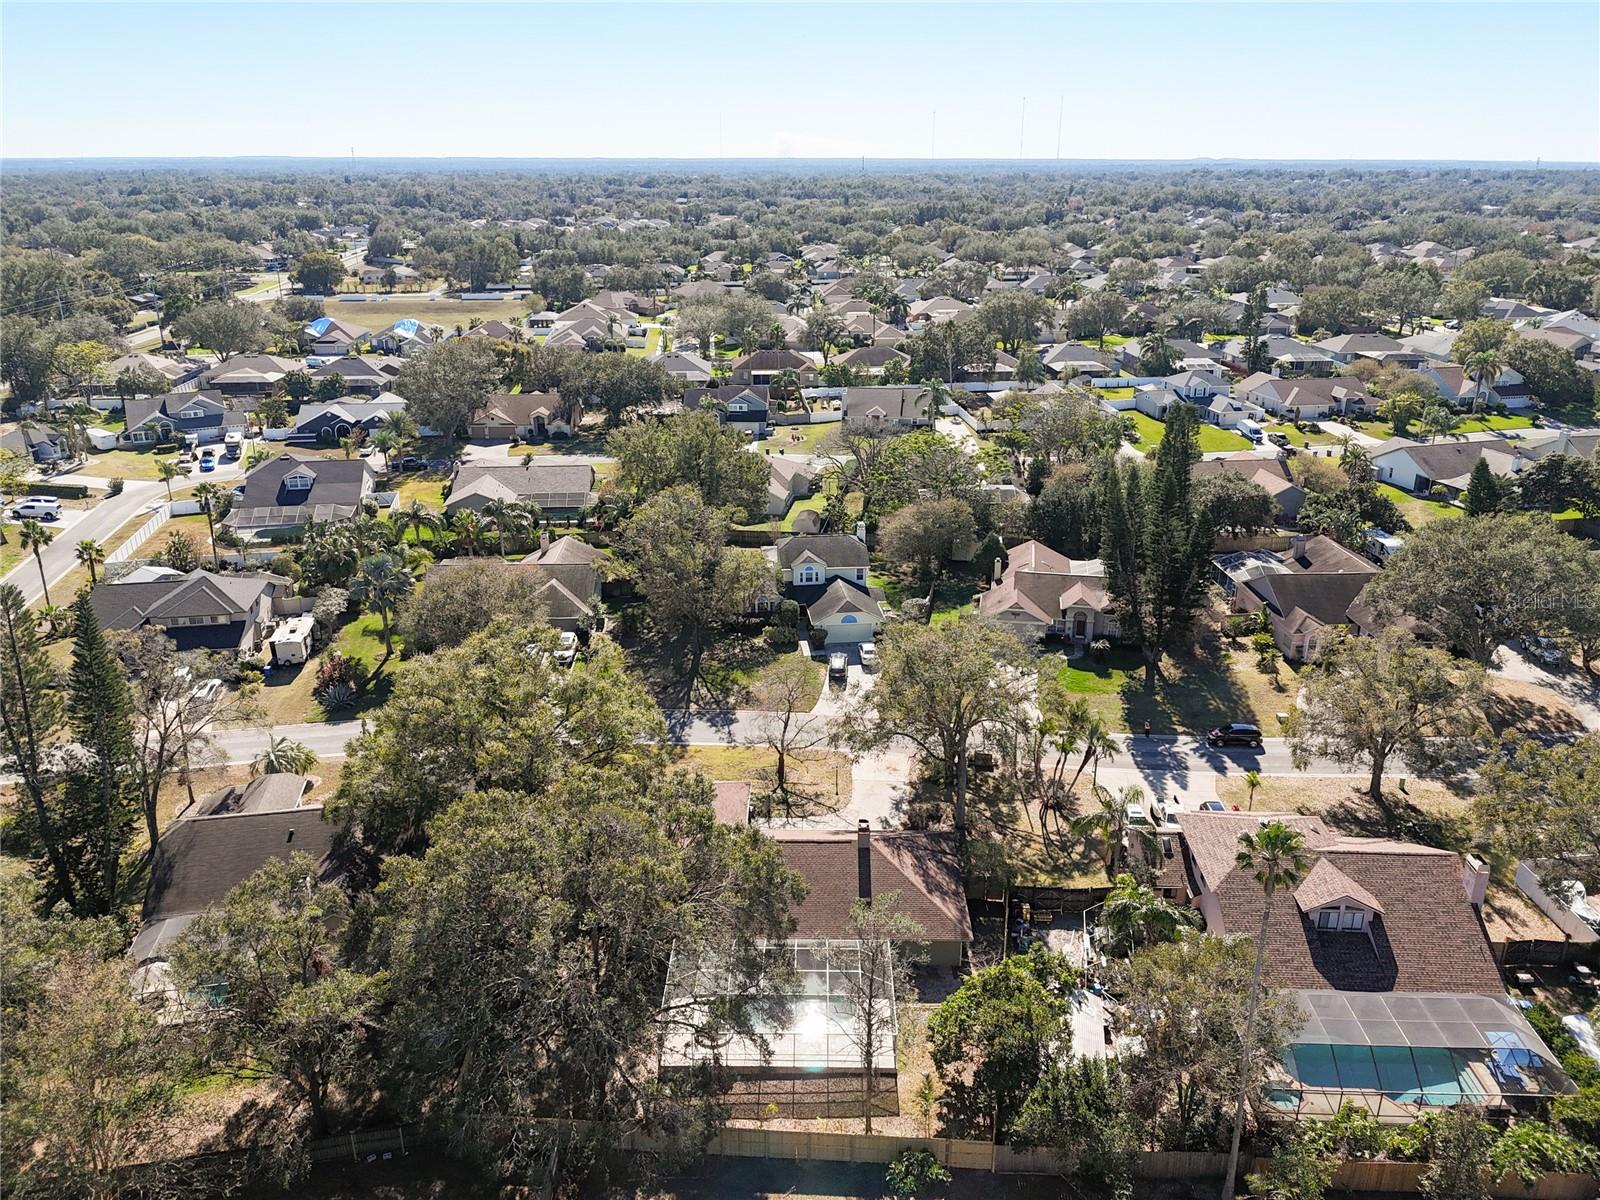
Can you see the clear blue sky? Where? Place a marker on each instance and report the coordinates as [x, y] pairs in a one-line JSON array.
[[1242, 80]]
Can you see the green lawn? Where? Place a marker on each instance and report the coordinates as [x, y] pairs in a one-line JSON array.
[[1492, 423], [1418, 509], [1195, 695], [427, 487], [799, 439], [810, 504], [1300, 438], [1211, 438], [362, 640], [10, 552]]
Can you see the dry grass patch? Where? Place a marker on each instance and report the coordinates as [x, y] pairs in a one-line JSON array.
[[1417, 810], [820, 779]]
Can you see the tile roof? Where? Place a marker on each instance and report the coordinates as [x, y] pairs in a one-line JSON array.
[[1427, 938]]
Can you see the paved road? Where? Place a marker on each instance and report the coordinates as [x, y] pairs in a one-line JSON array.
[[101, 521]]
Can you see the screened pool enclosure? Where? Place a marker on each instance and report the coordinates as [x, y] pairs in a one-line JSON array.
[[1398, 1054], [818, 1029]]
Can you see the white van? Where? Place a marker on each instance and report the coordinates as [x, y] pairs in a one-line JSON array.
[[38, 508], [232, 443]]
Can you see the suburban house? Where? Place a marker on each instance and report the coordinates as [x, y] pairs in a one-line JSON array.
[[766, 365], [1382, 945], [249, 374], [1192, 356], [405, 337], [174, 371], [1453, 382], [1305, 399], [329, 337], [1269, 473], [1040, 592], [1066, 359], [326, 424], [1305, 593], [361, 375], [556, 487], [497, 330], [939, 308], [816, 1033], [570, 570], [216, 844], [521, 416], [285, 494], [1379, 347], [690, 368], [812, 560], [847, 612], [788, 480], [872, 360], [39, 443], [1419, 466], [198, 610], [742, 405], [204, 416], [1435, 344], [894, 405], [1286, 357]]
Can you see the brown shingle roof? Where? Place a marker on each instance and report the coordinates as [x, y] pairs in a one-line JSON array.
[[923, 869], [1428, 937]]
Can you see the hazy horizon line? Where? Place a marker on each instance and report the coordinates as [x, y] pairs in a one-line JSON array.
[[857, 161]]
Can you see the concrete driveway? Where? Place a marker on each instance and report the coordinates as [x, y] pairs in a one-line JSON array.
[[1570, 684]]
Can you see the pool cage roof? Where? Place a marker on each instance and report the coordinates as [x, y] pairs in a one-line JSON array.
[[1398, 1054], [818, 1029]]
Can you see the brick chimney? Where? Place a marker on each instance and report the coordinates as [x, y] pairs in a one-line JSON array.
[[864, 860], [1297, 546]]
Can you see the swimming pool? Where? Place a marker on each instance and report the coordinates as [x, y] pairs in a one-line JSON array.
[[1428, 1075]]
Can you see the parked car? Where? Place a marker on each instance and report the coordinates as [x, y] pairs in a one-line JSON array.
[[869, 656], [208, 461], [233, 443], [1236, 734], [1136, 816], [1543, 650], [567, 648], [409, 462], [838, 666], [39, 508]]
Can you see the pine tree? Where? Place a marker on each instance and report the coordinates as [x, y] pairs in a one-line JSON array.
[[99, 802], [1484, 492], [30, 716], [1155, 543]]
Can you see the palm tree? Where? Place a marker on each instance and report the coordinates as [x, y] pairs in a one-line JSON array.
[[1252, 780], [1134, 915], [1439, 419], [1484, 366], [36, 537], [282, 757], [1110, 822], [403, 426], [506, 517], [208, 494], [168, 471], [381, 584], [896, 308], [938, 397], [1276, 855], [416, 517], [469, 530], [1088, 732], [384, 442], [91, 554]]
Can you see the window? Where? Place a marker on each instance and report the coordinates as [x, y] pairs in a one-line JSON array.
[[1354, 918], [809, 574], [191, 414], [861, 574], [1328, 918], [298, 482]]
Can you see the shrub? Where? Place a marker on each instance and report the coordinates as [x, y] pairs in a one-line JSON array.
[[781, 637], [63, 491], [1100, 647], [818, 637], [335, 670], [916, 609], [913, 1173], [336, 696], [1240, 625], [1531, 1148], [114, 488], [247, 671], [789, 613], [327, 612]]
